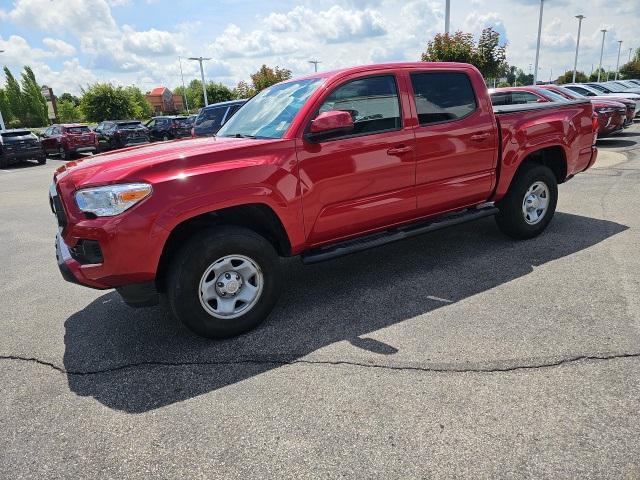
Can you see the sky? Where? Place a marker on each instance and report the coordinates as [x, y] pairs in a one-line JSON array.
[[73, 43]]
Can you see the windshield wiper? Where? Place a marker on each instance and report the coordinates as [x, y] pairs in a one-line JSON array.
[[239, 135]]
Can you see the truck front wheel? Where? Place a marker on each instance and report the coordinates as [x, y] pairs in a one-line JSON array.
[[224, 281], [529, 205]]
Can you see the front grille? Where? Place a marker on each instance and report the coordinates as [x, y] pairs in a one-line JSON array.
[[87, 251]]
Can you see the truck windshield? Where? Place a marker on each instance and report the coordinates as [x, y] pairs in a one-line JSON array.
[[269, 113]]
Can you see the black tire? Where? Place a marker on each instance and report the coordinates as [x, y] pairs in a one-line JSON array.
[[193, 260], [63, 153], [511, 219], [42, 160]]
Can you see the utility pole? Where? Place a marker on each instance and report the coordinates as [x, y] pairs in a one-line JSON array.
[[447, 16], [535, 71], [1, 119], [604, 32], [315, 64], [184, 89], [575, 62], [618, 62], [204, 87], [630, 50]]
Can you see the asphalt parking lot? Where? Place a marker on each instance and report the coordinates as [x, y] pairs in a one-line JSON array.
[[459, 353]]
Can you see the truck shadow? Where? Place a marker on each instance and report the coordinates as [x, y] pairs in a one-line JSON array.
[[139, 360]]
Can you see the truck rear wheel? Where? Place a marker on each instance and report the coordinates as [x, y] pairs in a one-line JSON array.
[[529, 205], [224, 281]]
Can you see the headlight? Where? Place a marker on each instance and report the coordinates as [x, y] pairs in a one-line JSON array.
[[605, 110], [111, 200]]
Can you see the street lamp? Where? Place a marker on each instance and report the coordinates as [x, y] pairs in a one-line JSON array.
[[1, 119], [575, 62], [618, 62], [535, 70], [447, 16], [184, 89], [604, 32], [315, 64], [630, 50], [204, 88]]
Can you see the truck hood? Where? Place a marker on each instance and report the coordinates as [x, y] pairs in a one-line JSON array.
[[153, 162]]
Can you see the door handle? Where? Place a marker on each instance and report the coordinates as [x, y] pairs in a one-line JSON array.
[[399, 150], [479, 137]]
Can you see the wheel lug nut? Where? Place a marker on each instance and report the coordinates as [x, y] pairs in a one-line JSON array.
[[237, 277], [220, 284], [227, 276]]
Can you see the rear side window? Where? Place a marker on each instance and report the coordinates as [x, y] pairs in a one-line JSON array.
[[372, 102], [77, 130], [11, 135], [442, 96], [501, 98], [582, 91], [518, 98], [129, 125]]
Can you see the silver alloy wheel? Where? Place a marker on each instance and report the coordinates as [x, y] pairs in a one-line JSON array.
[[231, 286], [535, 202]]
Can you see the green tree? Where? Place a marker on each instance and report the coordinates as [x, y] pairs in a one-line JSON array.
[[70, 98], [140, 106], [14, 98], [217, 92], [103, 101], [567, 77], [33, 103], [632, 68], [243, 90], [68, 112], [487, 55], [267, 76], [4, 107], [445, 47]]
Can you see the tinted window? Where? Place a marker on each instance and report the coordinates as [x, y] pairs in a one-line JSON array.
[[129, 125], [77, 130], [601, 88], [442, 96], [582, 91], [20, 133], [518, 98], [551, 95], [501, 98], [372, 102]]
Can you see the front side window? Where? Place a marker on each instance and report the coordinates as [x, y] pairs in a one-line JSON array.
[[442, 96], [270, 113], [372, 102], [501, 98]]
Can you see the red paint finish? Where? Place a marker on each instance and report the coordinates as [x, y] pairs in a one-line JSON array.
[[320, 190]]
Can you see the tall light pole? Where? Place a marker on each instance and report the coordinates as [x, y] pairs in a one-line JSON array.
[[184, 89], [447, 16], [630, 50], [535, 70], [618, 62], [1, 119], [315, 64], [604, 32], [204, 87], [575, 62]]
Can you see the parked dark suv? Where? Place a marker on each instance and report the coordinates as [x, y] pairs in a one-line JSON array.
[[120, 134], [168, 127], [67, 140], [212, 117], [19, 145]]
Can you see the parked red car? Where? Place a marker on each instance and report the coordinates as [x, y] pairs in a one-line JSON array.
[[611, 116], [319, 167], [599, 102], [69, 139]]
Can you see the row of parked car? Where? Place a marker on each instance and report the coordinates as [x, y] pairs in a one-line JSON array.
[[67, 140], [615, 103]]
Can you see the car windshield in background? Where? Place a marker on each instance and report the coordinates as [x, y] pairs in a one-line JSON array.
[[571, 93], [556, 97], [600, 88], [129, 125], [78, 130], [269, 113], [17, 134]]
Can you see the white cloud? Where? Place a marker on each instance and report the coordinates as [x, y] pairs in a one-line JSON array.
[[151, 42], [59, 47]]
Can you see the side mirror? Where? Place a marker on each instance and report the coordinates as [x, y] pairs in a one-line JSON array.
[[540, 100], [330, 123]]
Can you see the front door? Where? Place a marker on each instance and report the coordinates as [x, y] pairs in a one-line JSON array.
[[365, 179]]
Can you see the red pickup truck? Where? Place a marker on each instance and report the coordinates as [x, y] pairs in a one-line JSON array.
[[319, 167]]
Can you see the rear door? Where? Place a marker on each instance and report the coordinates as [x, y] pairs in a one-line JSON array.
[[456, 141], [365, 179]]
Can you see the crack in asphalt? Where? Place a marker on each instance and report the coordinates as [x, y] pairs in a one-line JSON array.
[[274, 361]]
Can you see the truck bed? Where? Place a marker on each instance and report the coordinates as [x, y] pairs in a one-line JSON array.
[[527, 107]]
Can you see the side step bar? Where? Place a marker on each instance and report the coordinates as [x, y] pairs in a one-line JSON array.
[[395, 234]]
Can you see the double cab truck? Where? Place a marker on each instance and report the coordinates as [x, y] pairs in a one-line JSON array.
[[315, 167]]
